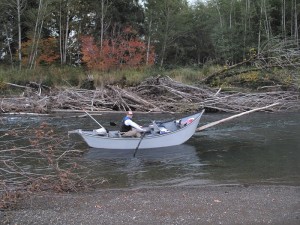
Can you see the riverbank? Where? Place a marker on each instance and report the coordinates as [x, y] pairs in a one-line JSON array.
[[155, 94], [222, 204]]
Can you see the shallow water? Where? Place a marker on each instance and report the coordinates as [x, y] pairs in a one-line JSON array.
[[256, 148]]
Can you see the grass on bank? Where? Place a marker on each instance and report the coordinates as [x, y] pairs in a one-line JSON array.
[[75, 76], [56, 76]]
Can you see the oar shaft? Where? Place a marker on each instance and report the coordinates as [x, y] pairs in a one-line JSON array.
[[94, 119], [137, 147]]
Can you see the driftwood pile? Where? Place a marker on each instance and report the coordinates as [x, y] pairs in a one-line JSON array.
[[155, 94]]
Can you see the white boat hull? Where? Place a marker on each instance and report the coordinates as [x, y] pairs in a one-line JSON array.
[[172, 138]]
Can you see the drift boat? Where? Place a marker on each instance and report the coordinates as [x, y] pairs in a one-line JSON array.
[[159, 134]]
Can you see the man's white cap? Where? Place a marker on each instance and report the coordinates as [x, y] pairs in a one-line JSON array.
[[129, 113]]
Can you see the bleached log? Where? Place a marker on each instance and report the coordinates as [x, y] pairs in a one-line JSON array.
[[233, 117]]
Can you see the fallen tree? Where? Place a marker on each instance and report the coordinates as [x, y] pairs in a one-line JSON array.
[[284, 55], [39, 159], [233, 117]]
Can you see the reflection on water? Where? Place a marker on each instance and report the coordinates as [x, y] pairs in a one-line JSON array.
[[257, 148], [172, 154], [160, 166]]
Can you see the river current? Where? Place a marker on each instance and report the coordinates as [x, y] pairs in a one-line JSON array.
[[256, 148]]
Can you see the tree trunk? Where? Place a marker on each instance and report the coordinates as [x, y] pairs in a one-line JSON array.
[[259, 31], [65, 47], [296, 24], [60, 34], [102, 26], [283, 22], [149, 41], [37, 44], [8, 45], [292, 19], [166, 31], [220, 16], [267, 23], [19, 34], [63, 31], [230, 14], [34, 46], [247, 8]]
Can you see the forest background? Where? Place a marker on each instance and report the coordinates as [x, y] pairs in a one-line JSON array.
[[216, 42]]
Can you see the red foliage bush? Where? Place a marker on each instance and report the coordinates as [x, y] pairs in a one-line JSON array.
[[125, 50]]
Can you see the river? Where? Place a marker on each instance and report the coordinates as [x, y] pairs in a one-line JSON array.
[[259, 148]]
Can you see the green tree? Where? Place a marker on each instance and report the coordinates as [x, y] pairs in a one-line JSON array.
[[13, 11], [165, 20]]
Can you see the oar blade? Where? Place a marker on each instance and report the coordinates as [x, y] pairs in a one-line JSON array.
[[112, 124]]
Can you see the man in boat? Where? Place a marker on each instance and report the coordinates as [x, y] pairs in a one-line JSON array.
[[130, 128]]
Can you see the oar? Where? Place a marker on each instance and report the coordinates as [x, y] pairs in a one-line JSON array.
[[137, 147], [94, 119]]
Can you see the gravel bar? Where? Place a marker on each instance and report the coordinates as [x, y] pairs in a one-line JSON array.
[[221, 204]]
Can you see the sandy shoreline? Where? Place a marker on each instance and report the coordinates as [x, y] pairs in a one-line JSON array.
[[234, 204]]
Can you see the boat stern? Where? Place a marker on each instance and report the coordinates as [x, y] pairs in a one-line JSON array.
[[78, 131]]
